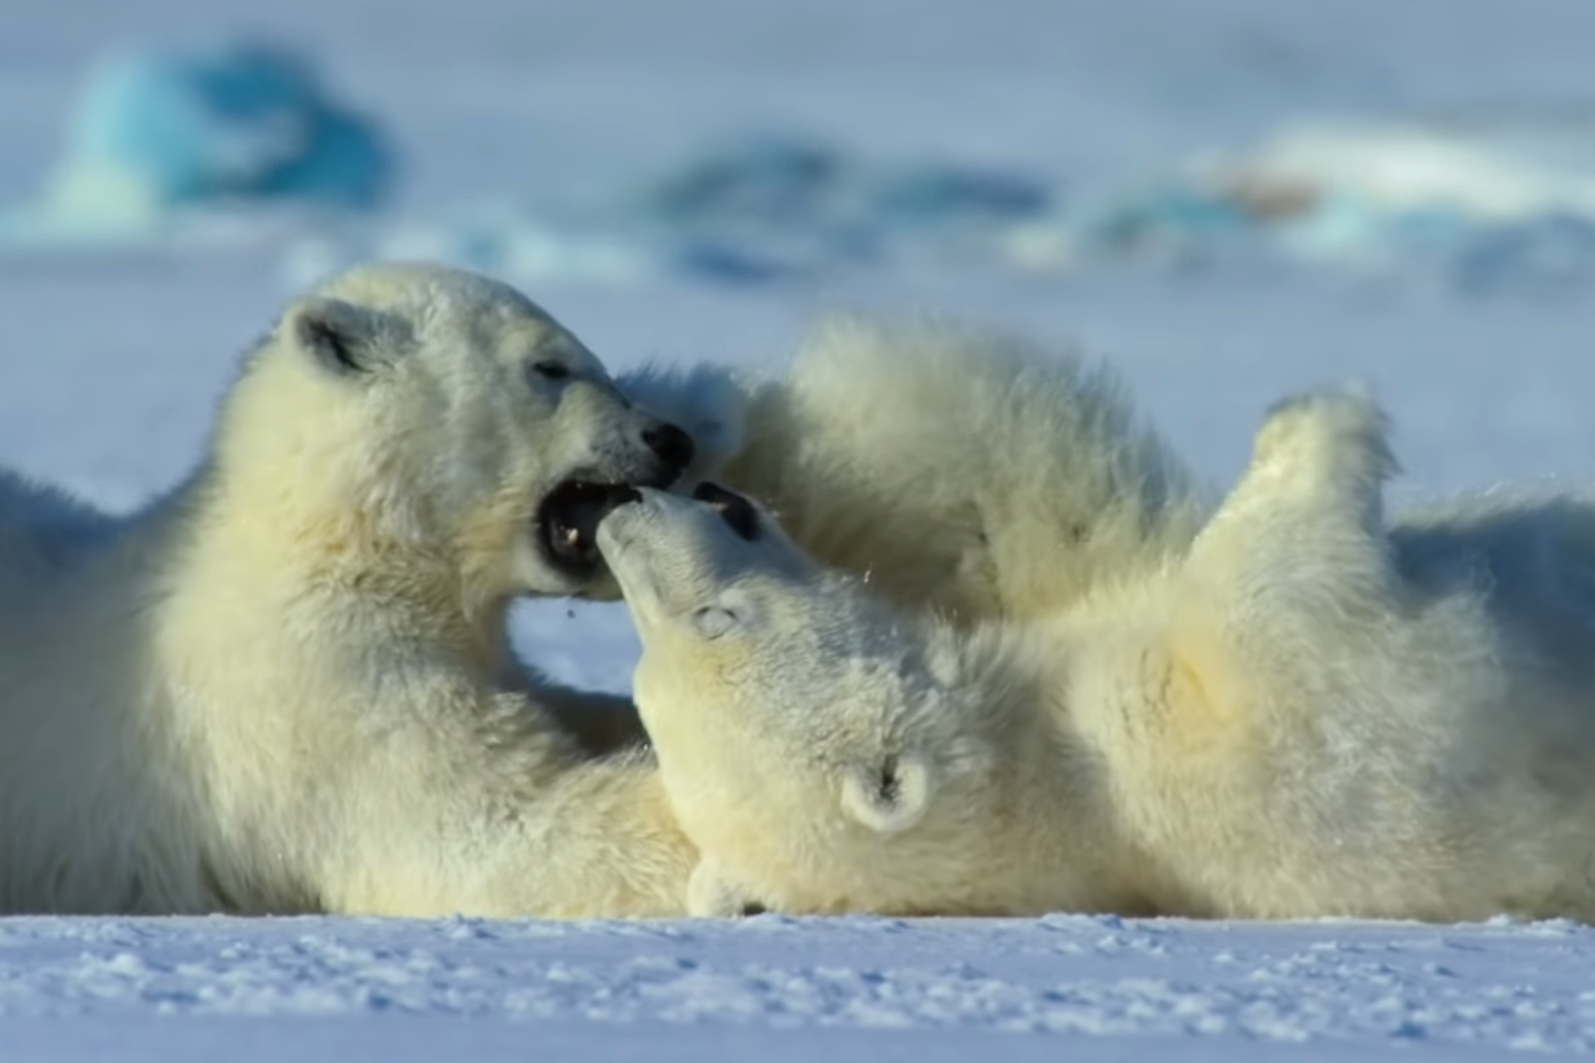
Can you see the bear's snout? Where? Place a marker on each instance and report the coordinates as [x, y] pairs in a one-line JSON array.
[[736, 511], [672, 444]]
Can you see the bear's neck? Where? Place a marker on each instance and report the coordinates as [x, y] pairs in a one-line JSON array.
[[243, 561]]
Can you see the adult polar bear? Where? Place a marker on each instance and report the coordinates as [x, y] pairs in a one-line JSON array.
[[1306, 715], [286, 685]]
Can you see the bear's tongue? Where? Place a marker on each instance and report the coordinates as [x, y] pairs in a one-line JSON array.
[[574, 511]]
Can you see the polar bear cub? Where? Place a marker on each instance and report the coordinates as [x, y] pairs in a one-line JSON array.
[[1297, 719], [806, 740], [287, 685]]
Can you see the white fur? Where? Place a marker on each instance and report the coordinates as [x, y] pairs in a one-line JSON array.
[[954, 468], [984, 476], [810, 743], [286, 686], [1308, 715]]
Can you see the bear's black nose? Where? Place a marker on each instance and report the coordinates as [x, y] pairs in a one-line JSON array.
[[736, 511], [673, 445]]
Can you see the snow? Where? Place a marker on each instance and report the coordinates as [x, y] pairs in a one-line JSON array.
[[939, 989], [111, 358]]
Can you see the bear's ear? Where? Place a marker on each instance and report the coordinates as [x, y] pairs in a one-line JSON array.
[[714, 621], [344, 338]]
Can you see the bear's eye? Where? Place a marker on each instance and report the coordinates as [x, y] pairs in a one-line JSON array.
[[551, 370]]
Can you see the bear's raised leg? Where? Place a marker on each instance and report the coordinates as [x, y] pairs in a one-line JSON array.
[[1304, 527], [1290, 586], [951, 468]]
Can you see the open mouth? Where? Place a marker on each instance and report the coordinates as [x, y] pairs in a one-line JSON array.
[[567, 521]]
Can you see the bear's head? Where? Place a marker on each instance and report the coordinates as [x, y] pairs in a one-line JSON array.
[[442, 413], [794, 716]]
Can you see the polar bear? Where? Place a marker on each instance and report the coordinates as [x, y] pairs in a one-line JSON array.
[[1299, 718], [943, 461], [286, 685], [806, 730]]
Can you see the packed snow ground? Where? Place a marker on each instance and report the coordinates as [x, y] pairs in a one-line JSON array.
[[1038, 989], [110, 363]]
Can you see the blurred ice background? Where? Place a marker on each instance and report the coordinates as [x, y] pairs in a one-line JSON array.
[[1329, 152]]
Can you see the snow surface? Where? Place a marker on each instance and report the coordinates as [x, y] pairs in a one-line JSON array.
[[110, 362], [846, 987]]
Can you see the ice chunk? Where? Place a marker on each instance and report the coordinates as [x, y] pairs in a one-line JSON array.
[[159, 131]]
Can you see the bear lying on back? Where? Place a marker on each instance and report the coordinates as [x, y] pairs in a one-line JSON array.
[[286, 686], [1304, 716]]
